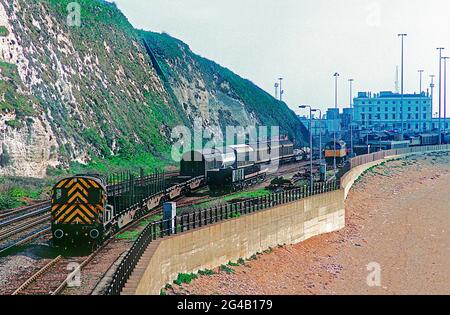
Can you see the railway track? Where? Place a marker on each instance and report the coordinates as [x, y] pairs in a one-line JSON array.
[[24, 225], [54, 277]]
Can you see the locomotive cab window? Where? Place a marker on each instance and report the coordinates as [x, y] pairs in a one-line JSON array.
[[94, 195], [60, 195]]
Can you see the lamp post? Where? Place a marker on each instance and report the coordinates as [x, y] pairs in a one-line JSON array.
[[311, 179], [320, 133], [336, 75], [445, 93], [420, 93], [351, 115], [440, 92], [281, 89], [432, 99], [401, 102]]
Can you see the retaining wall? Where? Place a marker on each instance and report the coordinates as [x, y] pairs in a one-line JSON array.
[[217, 244]]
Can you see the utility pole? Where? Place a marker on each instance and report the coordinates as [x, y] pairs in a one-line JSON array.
[[432, 99], [281, 89], [311, 177], [445, 94], [336, 75], [420, 93], [402, 84], [276, 85], [440, 93], [351, 115]]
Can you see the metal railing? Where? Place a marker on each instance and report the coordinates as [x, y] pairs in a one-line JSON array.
[[204, 217]]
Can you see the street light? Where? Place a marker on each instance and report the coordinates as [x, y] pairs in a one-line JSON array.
[[420, 98], [432, 100], [311, 179], [336, 75], [440, 92], [445, 93], [351, 116], [320, 133], [401, 103]]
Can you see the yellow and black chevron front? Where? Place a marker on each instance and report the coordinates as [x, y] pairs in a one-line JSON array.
[[78, 200]]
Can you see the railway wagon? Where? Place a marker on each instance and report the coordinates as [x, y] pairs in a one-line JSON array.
[[199, 162], [336, 150], [429, 139]]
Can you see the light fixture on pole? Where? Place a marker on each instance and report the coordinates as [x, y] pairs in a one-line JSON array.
[[420, 97], [402, 72], [445, 94], [336, 75], [320, 134], [311, 178], [432, 100], [440, 93], [351, 115], [281, 89]]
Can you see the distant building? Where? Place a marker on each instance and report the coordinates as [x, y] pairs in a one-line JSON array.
[[382, 111]]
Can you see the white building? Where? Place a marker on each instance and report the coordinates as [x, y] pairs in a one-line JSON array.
[[382, 111]]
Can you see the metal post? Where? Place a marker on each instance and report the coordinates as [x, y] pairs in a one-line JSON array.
[[432, 99], [440, 93], [445, 94], [401, 103], [336, 75], [320, 135], [351, 116], [420, 100], [310, 143]]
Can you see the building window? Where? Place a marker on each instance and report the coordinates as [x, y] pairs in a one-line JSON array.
[[386, 102], [378, 109], [386, 109], [393, 116], [424, 116], [409, 116], [417, 126], [363, 117], [409, 109], [409, 126], [409, 102], [370, 116], [370, 109], [417, 116], [417, 109], [386, 116], [424, 109], [378, 102]]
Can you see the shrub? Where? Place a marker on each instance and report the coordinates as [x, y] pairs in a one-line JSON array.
[[185, 278], [226, 269]]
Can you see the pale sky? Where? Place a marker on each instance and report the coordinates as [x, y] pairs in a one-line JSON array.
[[307, 41]]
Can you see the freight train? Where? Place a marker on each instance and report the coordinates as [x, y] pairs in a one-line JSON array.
[[238, 166], [88, 209]]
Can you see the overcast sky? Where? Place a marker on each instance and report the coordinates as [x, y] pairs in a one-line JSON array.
[[307, 41]]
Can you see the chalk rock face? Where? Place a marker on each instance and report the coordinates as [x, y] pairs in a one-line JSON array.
[[99, 89]]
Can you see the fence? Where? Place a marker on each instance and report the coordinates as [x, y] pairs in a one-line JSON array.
[[204, 217], [216, 214]]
